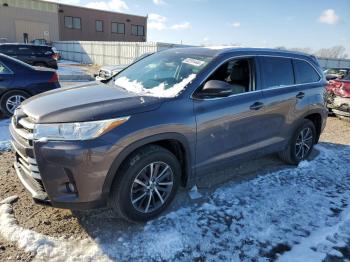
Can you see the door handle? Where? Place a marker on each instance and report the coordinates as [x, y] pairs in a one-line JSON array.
[[256, 106], [300, 95]]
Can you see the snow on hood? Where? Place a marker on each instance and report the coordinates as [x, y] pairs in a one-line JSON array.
[[301, 212], [158, 91]]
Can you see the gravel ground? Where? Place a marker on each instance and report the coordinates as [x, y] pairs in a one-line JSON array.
[[64, 223]]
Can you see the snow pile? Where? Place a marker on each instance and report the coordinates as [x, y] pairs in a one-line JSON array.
[[299, 213], [45, 248], [4, 135], [159, 91]]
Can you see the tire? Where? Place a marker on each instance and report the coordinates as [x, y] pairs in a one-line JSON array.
[[129, 199], [290, 154], [16, 96]]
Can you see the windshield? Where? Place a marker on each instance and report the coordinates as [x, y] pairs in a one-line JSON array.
[[162, 74]]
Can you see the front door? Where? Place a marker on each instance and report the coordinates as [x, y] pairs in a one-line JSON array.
[[230, 128]]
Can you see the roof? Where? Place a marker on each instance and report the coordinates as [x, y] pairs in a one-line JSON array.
[[84, 7], [218, 50]]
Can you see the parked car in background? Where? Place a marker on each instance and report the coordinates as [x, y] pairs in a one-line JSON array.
[[18, 81], [36, 55], [337, 72], [166, 121], [338, 96], [39, 41], [107, 72]]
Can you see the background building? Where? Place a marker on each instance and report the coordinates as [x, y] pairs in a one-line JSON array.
[[26, 20]]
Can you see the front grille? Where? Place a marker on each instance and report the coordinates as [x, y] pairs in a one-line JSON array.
[[26, 164]]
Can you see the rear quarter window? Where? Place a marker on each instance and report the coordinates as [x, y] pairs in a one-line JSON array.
[[276, 72], [304, 72]]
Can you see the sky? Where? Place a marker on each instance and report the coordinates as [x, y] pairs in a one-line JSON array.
[[256, 23]]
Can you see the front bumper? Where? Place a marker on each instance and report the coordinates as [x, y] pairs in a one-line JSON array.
[[46, 169]]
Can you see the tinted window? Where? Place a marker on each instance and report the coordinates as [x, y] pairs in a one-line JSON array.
[[99, 26], [118, 28], [304, 72], [24, 50], [140, 30], [276, 71], [134, 29], [76, 23], [68, 21], [3, 69], [8, 49]]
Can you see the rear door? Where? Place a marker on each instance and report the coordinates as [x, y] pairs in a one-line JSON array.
[[6, 77], [281, 97]]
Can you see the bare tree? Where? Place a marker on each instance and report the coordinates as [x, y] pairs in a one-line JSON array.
[[338, 52]]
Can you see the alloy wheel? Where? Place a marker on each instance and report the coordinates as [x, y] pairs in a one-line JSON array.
[[13, 102], [304, 143], [152, 187]]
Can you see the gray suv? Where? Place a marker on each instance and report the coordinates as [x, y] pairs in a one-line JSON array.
[[164, 122]]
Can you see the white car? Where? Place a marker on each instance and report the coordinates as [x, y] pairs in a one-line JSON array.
[[107, 72]]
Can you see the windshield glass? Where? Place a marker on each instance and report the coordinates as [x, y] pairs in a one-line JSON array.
[[162, 74]]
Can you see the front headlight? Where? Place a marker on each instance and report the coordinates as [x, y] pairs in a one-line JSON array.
[[77, 131]]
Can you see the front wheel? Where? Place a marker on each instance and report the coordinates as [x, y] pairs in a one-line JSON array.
[[146, 184], [301, 143]]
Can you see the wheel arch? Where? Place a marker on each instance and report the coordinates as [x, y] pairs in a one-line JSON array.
[[174, 142]]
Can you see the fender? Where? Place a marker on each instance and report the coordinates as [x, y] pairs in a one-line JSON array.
[[148, 140]]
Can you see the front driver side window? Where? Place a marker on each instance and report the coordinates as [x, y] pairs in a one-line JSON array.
[[237, 73]]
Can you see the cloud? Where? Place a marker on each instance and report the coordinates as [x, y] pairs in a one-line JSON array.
[[329, 17], [158, 2], [236, 24], [112, 5], [159, 22], [156, 22], [182, 26]]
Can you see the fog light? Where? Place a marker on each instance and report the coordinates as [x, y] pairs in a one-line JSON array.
[[70, 188]]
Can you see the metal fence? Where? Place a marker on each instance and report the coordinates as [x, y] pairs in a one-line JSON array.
[[107, 53], [122, 53], [332, 63]]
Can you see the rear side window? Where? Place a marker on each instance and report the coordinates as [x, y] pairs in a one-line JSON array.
[[24, 50], [3, 69], [304, 72], [7, 49], [276, 72]]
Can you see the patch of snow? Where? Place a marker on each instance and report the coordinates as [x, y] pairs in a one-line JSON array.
[[45, 247], [300, 212], [5, 135], [194, 194], [9, 200], [158, 91]]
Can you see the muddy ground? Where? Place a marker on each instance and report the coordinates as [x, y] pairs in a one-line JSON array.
[[64, 223]]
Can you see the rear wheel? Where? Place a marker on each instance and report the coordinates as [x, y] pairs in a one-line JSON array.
[[11, 100], [301, 143], [146, 184]]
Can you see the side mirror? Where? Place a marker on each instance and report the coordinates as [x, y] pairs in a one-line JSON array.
[[215, 88]]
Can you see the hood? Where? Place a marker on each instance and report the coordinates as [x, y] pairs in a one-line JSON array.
[[113, 67], [89, 102]]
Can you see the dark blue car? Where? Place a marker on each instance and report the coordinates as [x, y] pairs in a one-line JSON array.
[[19, 81]]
